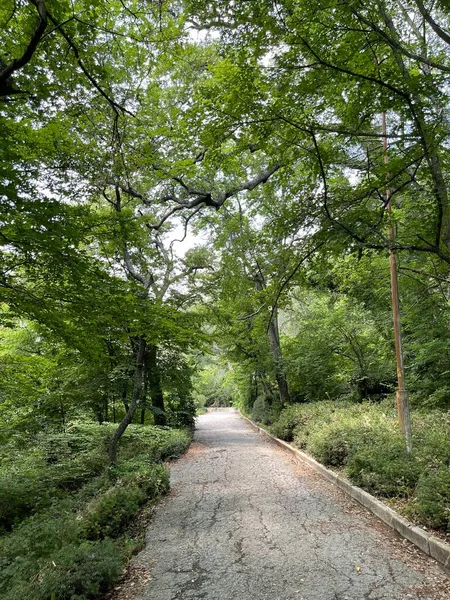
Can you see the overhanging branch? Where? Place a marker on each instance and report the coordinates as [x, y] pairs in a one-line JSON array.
[[206, 197], [6, 87]]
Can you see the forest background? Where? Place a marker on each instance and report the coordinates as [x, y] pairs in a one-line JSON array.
[[254, 131]]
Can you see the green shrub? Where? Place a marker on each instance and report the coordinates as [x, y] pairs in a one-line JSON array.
[[432, 501], [289, 418], [261, 410], [332, 444], [108, 515], [71, 475], [35, 539], [39, 475], [335, 442], [20, 495], [175, 444], [55, 499], [23, 493], [43, 535], [152, 479], [66, 462], [385, 468], [76, 572], [155, 443], [298, 422], [431, 432]]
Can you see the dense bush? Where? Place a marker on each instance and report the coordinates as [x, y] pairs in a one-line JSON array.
[[432, 501], [364, 440], [289, 419], [180, 411], [153, 479], [20, 494], [108, 515], [156, 443], [261, 410], [72, 545], [385, 468], [77, 572], [65, 462], [335, 442]]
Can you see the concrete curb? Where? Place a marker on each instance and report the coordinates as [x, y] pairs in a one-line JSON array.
[[429, 544]]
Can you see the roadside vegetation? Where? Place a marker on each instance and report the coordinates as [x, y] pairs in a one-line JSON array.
[[64, 512], [364, 442]]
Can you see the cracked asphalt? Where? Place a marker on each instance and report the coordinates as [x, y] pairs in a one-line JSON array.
[[245, 520]]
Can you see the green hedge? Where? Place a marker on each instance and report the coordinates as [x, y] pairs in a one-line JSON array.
[[432, 500]]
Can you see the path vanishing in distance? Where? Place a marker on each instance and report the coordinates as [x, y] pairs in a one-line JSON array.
[[246, 521]]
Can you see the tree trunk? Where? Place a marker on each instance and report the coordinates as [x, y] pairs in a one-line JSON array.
[[154, 384], [274, 339], [145, 392], [136, 400], [124, 396], [265, 387], [275, 348]]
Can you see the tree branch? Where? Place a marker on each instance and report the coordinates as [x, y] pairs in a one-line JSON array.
[[5, 84], [288, 279], [429, 19], [420, 272], [395, 45], [203, 197], [117, 108]]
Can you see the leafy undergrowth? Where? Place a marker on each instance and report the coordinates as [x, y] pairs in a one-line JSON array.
[[64, 517], [364, 441]]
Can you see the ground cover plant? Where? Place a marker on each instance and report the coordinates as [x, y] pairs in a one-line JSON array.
[[65, 512], [364, 442]]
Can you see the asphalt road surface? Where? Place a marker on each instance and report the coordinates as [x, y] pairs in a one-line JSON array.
[[246, 521]]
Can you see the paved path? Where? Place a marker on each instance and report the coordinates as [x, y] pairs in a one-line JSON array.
[[246, 521]]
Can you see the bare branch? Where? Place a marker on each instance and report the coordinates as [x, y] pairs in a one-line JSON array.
[[206, 198]]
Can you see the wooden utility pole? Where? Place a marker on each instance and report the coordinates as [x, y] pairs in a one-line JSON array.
[[404, 419]]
